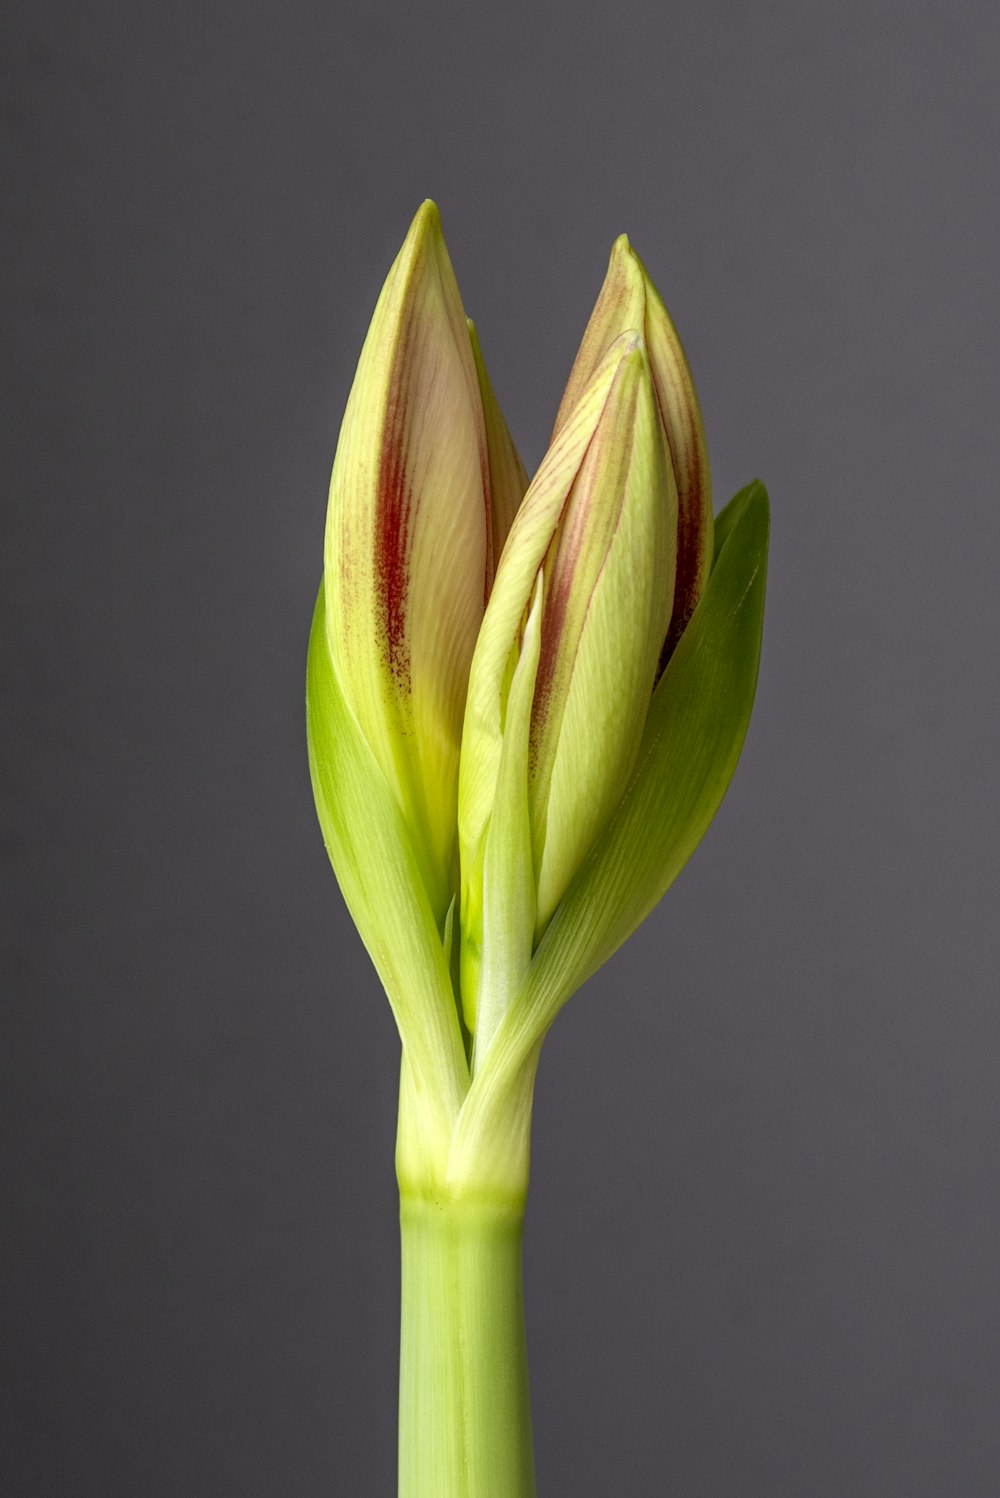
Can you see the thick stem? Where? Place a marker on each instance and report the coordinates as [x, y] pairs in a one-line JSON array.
[[464, 1410]]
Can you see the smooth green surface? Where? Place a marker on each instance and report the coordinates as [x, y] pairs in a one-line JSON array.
[[464, 1409]]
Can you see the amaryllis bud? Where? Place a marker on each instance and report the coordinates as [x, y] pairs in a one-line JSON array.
[[586, 582], [592, 646], [628, 299], [423, 490]]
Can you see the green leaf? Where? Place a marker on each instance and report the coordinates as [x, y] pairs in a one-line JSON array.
[[372, 854], [697, 722]]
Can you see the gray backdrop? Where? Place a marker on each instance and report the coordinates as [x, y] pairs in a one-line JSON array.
[[763, 1252]]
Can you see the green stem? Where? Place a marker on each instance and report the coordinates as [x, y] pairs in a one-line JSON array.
[[464, 1410]]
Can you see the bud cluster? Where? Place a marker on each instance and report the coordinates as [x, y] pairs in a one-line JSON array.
[[496, 664]]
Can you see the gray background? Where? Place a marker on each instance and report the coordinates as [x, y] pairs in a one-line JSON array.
[[763, 1253]]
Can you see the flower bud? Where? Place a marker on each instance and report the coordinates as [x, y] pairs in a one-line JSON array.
[[628, 299], [586, 578], [425, 483]]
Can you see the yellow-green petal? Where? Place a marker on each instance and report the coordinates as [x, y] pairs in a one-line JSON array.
[[629, 299], [609, 581], [409, 540], [527, 543]]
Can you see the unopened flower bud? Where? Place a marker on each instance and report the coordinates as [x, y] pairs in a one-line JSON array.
[[423, 491]]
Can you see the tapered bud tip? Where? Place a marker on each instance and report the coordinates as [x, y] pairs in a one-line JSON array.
[[427, 217], [625, 269], [424, 234]]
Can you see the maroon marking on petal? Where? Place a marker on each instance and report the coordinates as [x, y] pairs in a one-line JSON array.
[[567, 543], [553, 623], [490, 565], [391, 540], [690, 548]]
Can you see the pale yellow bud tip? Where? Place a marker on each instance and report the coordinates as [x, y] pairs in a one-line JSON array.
[[428, 215]]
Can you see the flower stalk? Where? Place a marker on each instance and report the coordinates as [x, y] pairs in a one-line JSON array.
[[464, 1408], [525, 702]]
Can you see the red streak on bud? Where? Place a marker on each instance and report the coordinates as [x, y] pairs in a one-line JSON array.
[[573, 541], [690, 549], [391, 541], [553, 625], [562, 580], [490, 567]]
